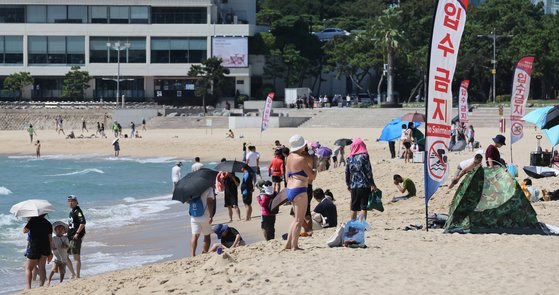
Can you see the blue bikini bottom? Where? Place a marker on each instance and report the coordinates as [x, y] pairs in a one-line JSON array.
[[294, 192]]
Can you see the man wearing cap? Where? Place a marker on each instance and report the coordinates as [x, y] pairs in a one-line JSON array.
[[176, 173], [76, 231], [492, 155]]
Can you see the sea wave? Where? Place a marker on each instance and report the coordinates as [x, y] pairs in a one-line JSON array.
[[99, 262], [56, 157], [4, 191], [81, 172], [157, 160], [6, 219]]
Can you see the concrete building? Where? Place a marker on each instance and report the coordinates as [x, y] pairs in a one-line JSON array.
[[160, 40]]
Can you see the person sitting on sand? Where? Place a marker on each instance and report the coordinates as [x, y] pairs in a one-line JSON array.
[[533, 193], [492, 155], [407, 185], [71, 135], [465, 167], [61, 244], [230, 134], [268, 218], [229, 236], [325, 212]]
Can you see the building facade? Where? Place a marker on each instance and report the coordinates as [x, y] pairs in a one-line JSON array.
[[160, 41]]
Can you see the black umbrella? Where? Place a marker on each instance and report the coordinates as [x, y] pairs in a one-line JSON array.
[[194, 184], [343, 142], [232, 166], [551, 118]]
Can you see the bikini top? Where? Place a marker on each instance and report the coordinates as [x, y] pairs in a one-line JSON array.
[[302, 173]]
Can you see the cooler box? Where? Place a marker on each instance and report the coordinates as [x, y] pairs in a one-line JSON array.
[[418, 157]]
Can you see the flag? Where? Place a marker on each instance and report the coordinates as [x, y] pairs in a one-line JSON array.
[[448, 26], [520, 92], [463, 102], [267, 111]]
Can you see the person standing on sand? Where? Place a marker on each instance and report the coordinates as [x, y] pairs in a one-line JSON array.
[[247, 188], [312, 160], [76, 231], [276, 170], [253, 160], [298, 172], [406, 140], [39, 251], [144, 124], [492, 155], [268, 218], [244, 151], [197, 165], [84, 125], [31, 132], [61, 125], [231, 192], [38, 151], [201, 211], [176, 173], [359, 178], [116, 146]]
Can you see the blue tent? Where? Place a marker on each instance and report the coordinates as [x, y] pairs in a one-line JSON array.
[[393, 130]]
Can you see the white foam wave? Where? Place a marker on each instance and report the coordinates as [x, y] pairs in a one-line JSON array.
[[81, 172], [99, 262], [143, 160], [129, 200], [56, 157], [6, 219], [4, 191], [95, 244]]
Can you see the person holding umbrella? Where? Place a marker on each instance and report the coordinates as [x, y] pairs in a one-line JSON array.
[[201, 211], [39, 251]]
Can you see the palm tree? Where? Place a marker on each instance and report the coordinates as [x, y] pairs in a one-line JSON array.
[[211, 78], [387, 34]]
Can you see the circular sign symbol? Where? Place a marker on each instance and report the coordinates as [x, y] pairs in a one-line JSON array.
[[516, 128], [437, 160]]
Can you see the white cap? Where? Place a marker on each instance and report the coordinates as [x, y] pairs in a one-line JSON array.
[[296, 142]]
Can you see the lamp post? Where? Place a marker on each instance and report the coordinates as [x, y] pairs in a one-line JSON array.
[[118, 47], [493, 35]]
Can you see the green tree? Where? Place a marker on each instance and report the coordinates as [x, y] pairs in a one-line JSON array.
[[17, 81], [75, 83], [211, 78]]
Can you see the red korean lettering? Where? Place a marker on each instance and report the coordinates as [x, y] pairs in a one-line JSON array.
[[521, 78], [446, 45], [518, 109], [438, 114], [442, 82], [452, 16]]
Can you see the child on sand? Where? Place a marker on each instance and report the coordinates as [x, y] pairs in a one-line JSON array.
[[229, 236], [268, 218], [38, 145], [116, 147], [60, 250]]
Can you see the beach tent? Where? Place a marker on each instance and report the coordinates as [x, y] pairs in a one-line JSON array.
[[489, 200]]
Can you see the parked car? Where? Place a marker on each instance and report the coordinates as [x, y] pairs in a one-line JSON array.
[[330, 33]]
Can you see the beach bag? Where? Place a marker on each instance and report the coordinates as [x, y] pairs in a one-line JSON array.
[[354, 233], [437, 220], [269, 204], [375, 201], [196, 207], [337, 238]]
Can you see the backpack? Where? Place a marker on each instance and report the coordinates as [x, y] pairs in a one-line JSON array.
[[196, 207], [269, 205]]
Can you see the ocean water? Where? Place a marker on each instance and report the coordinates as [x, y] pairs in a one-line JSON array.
[[113, 192]]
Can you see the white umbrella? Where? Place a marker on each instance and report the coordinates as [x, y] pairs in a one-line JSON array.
[[115, 140], [31, 208]]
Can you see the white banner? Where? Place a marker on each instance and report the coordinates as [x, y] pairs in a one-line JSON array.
[[520, 92], [448, 27], [232, 50], [463, 102], [267, 111]]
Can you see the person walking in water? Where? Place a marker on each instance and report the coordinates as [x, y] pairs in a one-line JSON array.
[[84, 125], [176, 173], [298, 172], [38, 151], [116, 146], [31, 132]]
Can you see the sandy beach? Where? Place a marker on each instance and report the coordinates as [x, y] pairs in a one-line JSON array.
[[395, 262]]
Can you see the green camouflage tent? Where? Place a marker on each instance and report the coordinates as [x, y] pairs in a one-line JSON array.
[[489, 200]]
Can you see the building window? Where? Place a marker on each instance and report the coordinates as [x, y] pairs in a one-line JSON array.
[[178, 50], [130, 87], [178, 15], [119, 14], [12, 13], [56, 14], [139, 14], [77, 14], [36, 14], [99, 14], [11, 49], [56, 50], [100, 53]]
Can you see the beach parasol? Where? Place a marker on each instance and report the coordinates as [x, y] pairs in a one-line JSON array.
[[324, 152], [343, 142], [115, 140], [194, 184], [551, 118], [31, 208], [538, 117], [393, 130], [413, 117], [279, 199], [232, 166]]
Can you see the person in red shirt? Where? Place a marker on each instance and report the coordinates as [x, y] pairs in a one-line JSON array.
[[275, 170], [492, 155], [268, 218]]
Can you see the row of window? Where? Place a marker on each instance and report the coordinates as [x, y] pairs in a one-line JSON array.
[[71, 50], [98, 14]]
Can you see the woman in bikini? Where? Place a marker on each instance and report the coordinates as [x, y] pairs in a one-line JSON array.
[[298, 174]]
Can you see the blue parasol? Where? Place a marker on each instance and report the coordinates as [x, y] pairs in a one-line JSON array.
[[393, 130], [537, 117]]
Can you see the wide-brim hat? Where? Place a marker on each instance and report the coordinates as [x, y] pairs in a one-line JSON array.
[[60, 223], [500, 139], [296, 142]]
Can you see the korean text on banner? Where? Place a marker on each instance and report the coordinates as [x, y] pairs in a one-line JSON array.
[[520, 92], [463, 102], [448, 26], [267, 111]]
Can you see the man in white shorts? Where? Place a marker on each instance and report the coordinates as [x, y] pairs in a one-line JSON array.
[[201, 212]]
